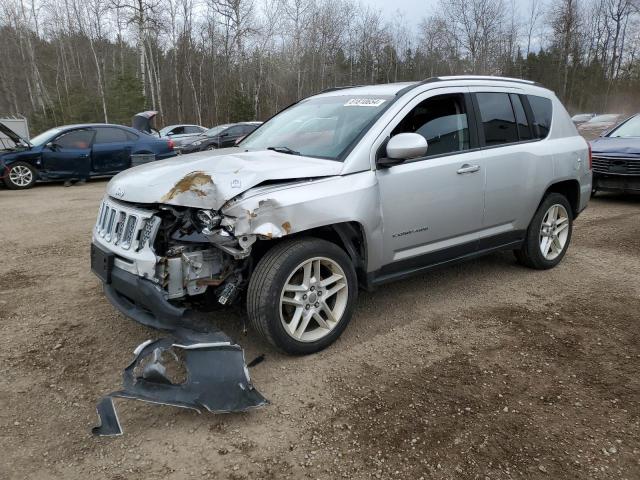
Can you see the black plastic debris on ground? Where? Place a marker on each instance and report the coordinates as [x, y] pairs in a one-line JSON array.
[[214, 377]]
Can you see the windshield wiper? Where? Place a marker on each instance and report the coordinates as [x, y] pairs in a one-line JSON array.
[[284, 150]]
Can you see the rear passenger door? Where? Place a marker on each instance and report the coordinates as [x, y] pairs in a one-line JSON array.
[[515, 165], [111, 150]]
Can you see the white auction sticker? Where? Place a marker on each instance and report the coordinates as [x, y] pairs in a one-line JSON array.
[[364, 102]]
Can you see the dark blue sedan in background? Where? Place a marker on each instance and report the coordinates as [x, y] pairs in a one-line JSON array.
[[76, 152], [616, 158]]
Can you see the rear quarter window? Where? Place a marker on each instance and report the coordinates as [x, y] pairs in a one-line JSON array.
[[542, 114]]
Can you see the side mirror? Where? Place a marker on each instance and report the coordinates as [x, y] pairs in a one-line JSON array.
[[52, 146], [404, 146], [224, 134]]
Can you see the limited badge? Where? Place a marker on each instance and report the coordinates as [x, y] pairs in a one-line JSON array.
[[364, 102]]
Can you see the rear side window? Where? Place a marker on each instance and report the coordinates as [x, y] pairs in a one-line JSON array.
[[111, 135], [192, 129], [542, 113], [498, 120], [524, 132]]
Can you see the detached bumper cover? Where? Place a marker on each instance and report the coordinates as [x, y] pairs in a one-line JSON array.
[[216, 378]]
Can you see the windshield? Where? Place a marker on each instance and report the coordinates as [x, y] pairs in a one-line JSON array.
[[629, 129], [212, 132], [44, 137], [322, 127], [603, 118]]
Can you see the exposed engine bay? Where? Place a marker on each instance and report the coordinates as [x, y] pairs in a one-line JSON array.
[[198, 255]]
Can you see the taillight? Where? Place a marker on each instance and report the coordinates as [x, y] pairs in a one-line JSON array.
[[590, 158], [171, 143]]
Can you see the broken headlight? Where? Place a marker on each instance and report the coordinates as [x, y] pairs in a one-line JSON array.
[[207, 220]]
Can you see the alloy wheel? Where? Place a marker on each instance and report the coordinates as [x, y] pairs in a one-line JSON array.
[[554, 232], [20, 176], [313, 299]]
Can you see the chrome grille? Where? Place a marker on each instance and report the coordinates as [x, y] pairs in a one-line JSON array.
[[616, 165], [125, 226]]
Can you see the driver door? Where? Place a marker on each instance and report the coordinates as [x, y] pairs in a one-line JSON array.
[[433, 206], [68, 153]]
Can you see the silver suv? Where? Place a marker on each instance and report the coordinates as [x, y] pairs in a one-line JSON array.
[[348, 189]]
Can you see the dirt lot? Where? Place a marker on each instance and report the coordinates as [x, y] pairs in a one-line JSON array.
[[483, 370]]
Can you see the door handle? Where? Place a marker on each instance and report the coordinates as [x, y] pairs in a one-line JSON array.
[[84, 155], [467, 168]]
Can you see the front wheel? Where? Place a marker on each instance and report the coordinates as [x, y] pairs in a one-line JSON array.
[[302, 295], [548, 235], [20, 175]]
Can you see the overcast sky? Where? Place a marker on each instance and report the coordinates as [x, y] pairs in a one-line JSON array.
[[416, 10], [413, 10]]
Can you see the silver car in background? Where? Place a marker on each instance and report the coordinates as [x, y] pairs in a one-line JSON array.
[[182, 134], [347, 189]]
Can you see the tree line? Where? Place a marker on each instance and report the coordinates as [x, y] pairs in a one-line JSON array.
[[217, 61]]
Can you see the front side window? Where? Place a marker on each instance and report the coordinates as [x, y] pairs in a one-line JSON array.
[[498, 120], [237, 130], [323, 127], [542, 111], [76, 139], [177, 131], [442, 121]]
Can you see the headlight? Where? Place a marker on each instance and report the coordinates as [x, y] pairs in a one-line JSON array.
[[207, 220], [199, 142]]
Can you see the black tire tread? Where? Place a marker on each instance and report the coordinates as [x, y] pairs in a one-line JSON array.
[[525, 255], [259, 291]]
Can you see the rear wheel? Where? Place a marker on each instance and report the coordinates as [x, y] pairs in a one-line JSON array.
[[302, 295], [548, 235], [20, 175]]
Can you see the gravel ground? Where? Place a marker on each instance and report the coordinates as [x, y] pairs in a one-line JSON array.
[[482, 370]]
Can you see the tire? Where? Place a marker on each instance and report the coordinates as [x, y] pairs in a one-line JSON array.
[[211, 147], [273, 311], [531, 254], [20, 176]]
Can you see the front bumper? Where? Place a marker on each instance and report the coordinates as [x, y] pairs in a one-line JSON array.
[[616, 183], [142, 301]]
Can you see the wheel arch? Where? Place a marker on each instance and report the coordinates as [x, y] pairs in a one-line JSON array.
[[570, 189], [349, 236]]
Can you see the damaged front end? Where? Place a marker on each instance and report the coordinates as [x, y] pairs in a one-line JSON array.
[[198, 371]]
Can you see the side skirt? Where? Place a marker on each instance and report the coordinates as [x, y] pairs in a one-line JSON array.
[[441, 258]]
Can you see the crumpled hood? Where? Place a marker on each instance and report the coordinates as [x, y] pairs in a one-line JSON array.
[[613, 146], [211, 178]]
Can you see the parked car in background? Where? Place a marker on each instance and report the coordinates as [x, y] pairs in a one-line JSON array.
[[221, 136], [181, 134], [616, 158], [56, 153], [581, 118], [351, 188], [599, 124]]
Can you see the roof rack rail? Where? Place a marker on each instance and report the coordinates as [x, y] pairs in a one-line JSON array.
[[485, 77], [333, 89]]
